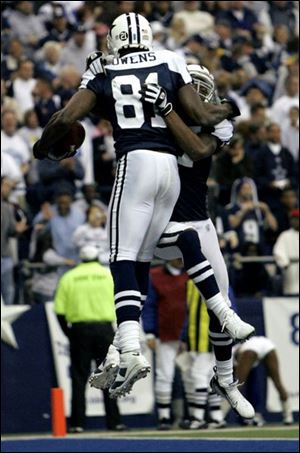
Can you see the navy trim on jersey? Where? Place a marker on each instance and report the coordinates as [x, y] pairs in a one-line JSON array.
[[118, 200], [129, 28]]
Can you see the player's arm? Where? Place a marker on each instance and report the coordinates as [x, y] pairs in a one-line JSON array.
[[195, 146], [202, 113], [78, 106]]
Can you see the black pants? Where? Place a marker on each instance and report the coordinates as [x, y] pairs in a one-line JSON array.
[[89, 341]]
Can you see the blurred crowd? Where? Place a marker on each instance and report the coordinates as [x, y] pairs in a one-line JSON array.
[[51, 209]]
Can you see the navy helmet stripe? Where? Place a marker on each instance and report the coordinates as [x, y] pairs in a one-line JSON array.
[[138, 28], [129, 28]]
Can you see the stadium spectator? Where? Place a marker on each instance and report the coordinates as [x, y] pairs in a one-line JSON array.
[[9, 103], [59, 29], [9, 228], [177, 34], [248, 216], [248, 356], [31, 131], [62, 219], [45, 278], [241, 18], [77, 49], [196, 22], [274, 169], [231, 165], [94, 233], [281, 107], [91, 197], [290, 133], [285, 251], [23, 85], [84, 306], [288, 202], [10, 62], [48, 66], [54, 174], [26, 25], [162, 12], [46, 103], [159, 35]]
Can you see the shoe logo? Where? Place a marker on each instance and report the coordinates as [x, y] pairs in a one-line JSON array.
[[136, 353]]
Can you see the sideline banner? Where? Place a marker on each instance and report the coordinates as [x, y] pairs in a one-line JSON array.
[[139, 401], [281, 317]]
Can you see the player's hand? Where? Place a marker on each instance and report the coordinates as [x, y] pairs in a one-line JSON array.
[[223, 131], [156, 95], [233, 108]]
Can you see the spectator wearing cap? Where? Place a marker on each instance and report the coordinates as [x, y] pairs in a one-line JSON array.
[[196, 21], [46, 103], [286, 253], [26, 25], [288, 202], [59, 29], [274, 169], [76, 49], [84, 305], [253, 93]]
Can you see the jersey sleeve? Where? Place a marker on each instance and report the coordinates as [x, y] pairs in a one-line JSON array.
[[178, 69], [92, 82]]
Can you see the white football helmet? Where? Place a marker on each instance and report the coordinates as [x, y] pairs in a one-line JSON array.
[[203, 81], [129, 31]]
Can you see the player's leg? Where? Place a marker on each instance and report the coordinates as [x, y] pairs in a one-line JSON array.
[[164, 376], [223, 381], [272, 365], [142, 205], [200, 270]]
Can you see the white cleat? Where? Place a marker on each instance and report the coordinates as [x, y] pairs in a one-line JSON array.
[[288, 418], [133, 366], [104, 376], [232, 394], [236, 328]]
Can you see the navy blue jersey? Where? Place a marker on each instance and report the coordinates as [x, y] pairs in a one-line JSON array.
[[192, 202], [135, 124]]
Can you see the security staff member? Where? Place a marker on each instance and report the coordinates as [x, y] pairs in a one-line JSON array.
[[84, 304]]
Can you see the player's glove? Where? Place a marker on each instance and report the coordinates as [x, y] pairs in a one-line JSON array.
[[156, 95], [53, 153], [223, 131], [235, 110], [96, 61]]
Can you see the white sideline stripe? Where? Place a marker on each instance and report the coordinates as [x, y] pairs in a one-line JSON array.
[[198, 267], [203, 276], [128, 303], [130, 292]]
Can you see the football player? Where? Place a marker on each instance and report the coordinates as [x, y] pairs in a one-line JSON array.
[[147, 183]]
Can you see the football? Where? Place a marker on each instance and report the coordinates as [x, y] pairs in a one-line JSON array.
[[67, 145], [70, 142]]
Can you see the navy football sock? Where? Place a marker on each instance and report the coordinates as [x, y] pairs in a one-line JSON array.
[[142, 276]]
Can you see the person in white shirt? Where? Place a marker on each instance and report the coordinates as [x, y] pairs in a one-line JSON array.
[[196, 21], [285, 250], [282, 106], [23, 86], [93, 232], [12, 142], [76, 50], [290, 132]]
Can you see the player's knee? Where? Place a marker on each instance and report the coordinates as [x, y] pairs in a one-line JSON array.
[[188, 238]]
